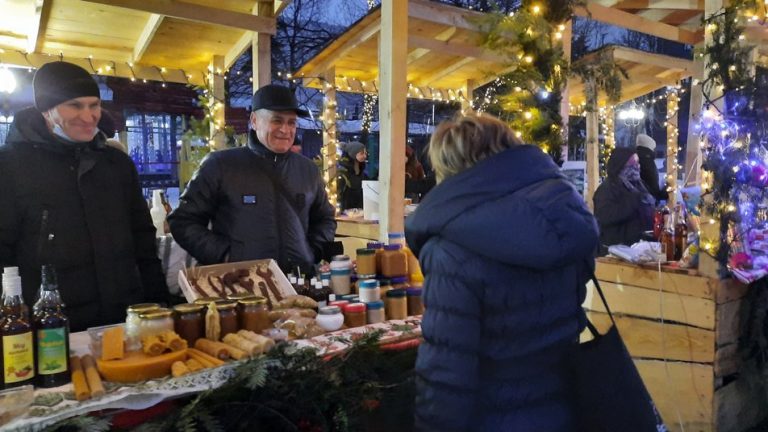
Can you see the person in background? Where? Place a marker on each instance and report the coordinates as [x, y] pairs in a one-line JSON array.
[[623, 207], [649, 174], [413, 169], [351, 175], [68, 199], [108, 128], [262, 200], [506, 245]]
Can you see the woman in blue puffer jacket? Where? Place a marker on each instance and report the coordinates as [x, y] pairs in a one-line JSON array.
[[506, 245]]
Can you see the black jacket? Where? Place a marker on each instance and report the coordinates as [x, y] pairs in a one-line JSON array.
[[103, 240], [250, 217], [350, 183], [506, 248], [622, 214], [649, 174]]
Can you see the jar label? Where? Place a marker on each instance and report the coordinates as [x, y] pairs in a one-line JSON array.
[[51, 351], [18, 358]]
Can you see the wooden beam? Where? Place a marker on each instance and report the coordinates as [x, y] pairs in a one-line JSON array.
[[100, 66], [392, 117], [338, 53], [443, 14], [672, 147], [468, 91], [630, 21], [36, 34], [196, 12], [593, 157], [444, 36], [443, 72], [150, 28], [567, 35], [660, 4], [242, 44], [680, 17], [261, 60], [217, 96], [329, 138], [453, 48]]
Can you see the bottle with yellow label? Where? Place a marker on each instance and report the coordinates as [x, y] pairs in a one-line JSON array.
[[18, 365], [51, 333]]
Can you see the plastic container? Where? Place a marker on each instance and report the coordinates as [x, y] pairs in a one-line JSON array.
[[354, 315], [95, 334], [375, 312], [341, 270], [415, 303], [369, 291], [366, 263], [330, 318], [15, 402], [396, 305]]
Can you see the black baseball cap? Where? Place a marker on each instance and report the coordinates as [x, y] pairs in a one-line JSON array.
[[276, 98]]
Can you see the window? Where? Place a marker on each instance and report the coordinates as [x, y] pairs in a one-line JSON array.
[[152, 146], [5, 127]]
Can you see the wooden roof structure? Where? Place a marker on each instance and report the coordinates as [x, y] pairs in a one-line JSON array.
[[162, 40]]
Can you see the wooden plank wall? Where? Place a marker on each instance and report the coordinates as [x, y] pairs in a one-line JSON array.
[[681, 329]]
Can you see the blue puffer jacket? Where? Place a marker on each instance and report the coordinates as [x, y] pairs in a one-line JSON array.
[[506, 248]]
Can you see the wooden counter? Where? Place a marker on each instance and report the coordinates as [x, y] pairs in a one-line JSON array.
[[682, 330], [356, 233]]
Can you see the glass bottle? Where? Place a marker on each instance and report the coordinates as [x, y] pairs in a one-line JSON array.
[[658, 221], [158, 213], [51, 333], [18, 359], [667, 238], [681, 232]]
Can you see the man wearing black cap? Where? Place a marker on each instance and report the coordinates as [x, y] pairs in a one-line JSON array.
[[261, 201], [69, 200]]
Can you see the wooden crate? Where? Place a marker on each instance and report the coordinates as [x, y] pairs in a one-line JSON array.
[[681, 329]]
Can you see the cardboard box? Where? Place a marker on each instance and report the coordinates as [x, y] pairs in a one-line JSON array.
[[201, 274]]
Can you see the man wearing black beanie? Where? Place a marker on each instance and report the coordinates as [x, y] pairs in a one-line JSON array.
[[69, 200]]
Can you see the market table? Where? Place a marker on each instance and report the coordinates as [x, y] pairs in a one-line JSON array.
[[56, 404]]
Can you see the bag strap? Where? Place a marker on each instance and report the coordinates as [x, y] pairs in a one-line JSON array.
[[599, 290]]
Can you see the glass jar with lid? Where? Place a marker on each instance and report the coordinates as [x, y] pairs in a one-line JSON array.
[[330, 318], [415, 303], [375, 312], [396, 305], [253, 314], [394, 262], [132, 321], [228, 316], [366, 263], [354, 315], [154, 322], [189, 322]]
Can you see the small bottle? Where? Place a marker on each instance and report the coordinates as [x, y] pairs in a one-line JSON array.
[[51, 333], [157, 212], [658, 221], [681, 232], [18, 360], [667, 238]]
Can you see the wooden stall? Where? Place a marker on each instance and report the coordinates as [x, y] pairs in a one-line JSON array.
[[682, 329]]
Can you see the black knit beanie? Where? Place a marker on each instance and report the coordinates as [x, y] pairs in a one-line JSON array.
[[59, 82]]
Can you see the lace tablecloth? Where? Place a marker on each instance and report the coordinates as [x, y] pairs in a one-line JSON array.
[[56, 404]]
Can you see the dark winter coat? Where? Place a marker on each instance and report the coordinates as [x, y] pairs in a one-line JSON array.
[[622, 214], [650, 174], [250, 216], [103, 240], [350, 183], [506, 248]]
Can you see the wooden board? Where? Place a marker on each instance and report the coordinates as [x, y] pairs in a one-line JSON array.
[[683, 392], [729, 322], [652, 339], [358, 228], [628, 274], [652, 303]]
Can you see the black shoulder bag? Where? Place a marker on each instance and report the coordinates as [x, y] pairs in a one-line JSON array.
[[610, 395]]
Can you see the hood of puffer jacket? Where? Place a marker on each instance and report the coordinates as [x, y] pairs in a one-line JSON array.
[[515, 207], [618, 159], [29, 127]]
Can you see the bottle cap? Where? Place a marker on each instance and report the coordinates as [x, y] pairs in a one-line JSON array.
[[329, 310], [393, 247], [396, 293], [354, 307], [396, 235], [374, 245], [365, 251], [378, 304], [369, 284]]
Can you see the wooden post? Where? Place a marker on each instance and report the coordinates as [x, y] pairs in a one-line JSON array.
[[609, 136], [672, 147], [692, 174], [393, 53], [566, 34], [329, 135], [261, 58], [218, 139], [592, 142], [467, 91]]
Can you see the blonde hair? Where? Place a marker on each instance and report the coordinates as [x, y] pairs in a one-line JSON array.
[[459, 144]]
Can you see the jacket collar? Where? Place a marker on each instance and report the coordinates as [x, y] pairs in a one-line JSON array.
[[29, 127], [258, 148]]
